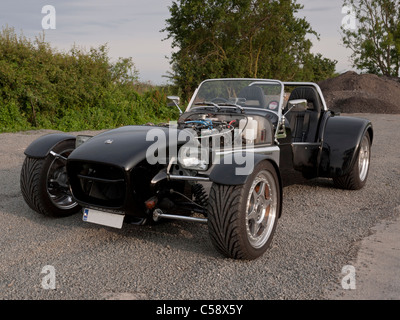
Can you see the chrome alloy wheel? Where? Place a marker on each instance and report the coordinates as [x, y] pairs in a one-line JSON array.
[[364, 158], [57, 184], [261, 209]]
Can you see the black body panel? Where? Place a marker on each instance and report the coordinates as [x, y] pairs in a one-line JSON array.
[[342, 137], [110, 170], [124, 147], [226, 172], [107, 187], [41, 147]]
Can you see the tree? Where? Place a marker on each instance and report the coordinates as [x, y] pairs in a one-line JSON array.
[[240, 38], [376, 40]]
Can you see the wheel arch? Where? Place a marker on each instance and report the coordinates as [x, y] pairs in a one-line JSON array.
[[41, 147], [341, 142], [34, 178], [224, 173]]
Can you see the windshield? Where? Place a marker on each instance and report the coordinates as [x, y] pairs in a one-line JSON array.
[[240, 93]]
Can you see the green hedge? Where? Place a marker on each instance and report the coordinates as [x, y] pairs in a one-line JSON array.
[[41, 87]]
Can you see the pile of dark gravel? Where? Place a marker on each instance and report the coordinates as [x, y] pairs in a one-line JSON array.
[[362, 93]]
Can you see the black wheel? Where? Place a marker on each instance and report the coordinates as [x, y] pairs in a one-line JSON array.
[[44, 183], [357, 177], [242, 219]]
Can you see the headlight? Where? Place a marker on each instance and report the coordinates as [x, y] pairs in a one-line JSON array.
[[193, 158], [81, 140]]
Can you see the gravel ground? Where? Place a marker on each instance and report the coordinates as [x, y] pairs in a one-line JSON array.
[[321, 231]]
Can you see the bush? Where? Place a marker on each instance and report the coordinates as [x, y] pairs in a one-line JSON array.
[[43, 88], [11, 118]]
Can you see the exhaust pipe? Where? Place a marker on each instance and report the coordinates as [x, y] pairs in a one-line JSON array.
[[158, 214]]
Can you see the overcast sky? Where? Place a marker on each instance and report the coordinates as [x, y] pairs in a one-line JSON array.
[[132, 28]]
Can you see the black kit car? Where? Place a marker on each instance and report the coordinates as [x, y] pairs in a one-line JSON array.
[[238, 135]]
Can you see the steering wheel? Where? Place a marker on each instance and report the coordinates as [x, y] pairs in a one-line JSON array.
[[219, 100]]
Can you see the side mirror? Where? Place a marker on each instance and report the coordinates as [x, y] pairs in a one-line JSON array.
[[297, 105], [175, 101], [300, 104]]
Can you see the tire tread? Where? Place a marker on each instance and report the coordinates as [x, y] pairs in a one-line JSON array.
[[30, 181], [33, 184], [223, 214]]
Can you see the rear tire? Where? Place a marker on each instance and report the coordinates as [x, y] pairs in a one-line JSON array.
[[242, 219], [44, 184], [357, 177]]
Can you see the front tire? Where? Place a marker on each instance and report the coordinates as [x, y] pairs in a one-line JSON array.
[[44, 184], [242, 219]]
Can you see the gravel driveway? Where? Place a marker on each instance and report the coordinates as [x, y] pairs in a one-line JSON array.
[[321, 231]]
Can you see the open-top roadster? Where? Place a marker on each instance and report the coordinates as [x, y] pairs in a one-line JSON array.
[[238, 135]]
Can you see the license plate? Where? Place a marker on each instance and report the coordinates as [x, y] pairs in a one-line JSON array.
[[103, 218]]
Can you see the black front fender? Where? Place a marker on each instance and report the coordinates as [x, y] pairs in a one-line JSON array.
[[41, 147], [230, 171], [226, 173], [341, 142]]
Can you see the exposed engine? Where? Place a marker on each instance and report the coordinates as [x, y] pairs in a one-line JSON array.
[[232, 129]]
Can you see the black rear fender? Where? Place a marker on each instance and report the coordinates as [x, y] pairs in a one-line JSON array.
[[342, 137]]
